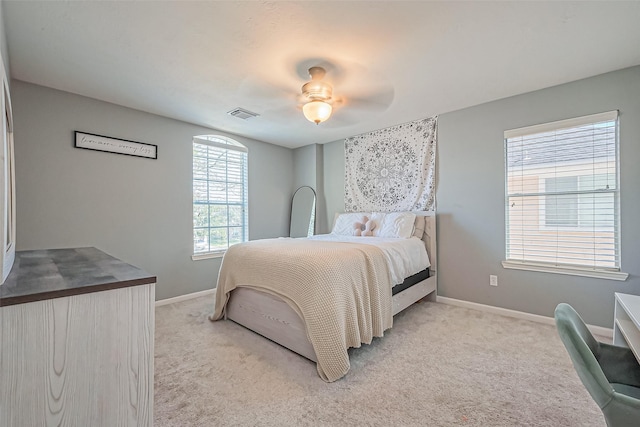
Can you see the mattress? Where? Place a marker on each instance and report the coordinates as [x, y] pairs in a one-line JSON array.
[[410, 281]]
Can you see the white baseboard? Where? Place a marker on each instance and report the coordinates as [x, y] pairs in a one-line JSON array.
[[596, 330], [185, 297]]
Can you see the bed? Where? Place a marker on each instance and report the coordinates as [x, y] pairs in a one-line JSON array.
[[255, 301]]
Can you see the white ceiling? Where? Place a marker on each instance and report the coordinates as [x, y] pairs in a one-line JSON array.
[[194, 61]]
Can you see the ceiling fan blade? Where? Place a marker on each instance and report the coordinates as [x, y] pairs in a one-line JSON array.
[[344, 118], [284, 114], [265, 92], [377, 101]]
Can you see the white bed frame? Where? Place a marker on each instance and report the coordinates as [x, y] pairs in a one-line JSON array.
[[272, 318]]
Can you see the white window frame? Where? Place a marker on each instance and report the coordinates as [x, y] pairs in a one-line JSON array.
[[228, 144], [577, 270]]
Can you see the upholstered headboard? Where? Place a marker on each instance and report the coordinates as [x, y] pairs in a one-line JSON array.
[[429, 237]]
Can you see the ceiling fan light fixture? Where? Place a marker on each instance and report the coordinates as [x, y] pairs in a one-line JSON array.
[[319, 93], [317, 111]]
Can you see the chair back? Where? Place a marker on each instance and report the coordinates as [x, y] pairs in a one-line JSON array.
[[583, 350]]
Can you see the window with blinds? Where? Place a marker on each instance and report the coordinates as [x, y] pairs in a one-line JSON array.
[[562, 194], [220, 207]]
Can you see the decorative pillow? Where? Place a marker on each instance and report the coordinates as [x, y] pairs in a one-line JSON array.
[[419, 226], [394, 224], [364, 228], [344, 222]]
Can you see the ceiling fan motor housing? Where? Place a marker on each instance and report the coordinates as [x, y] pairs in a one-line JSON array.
[[316, 89]]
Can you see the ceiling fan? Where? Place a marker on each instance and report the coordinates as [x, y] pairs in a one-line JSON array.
[[364, 93], [347, 93]]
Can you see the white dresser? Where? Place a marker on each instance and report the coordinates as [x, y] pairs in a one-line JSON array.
[[76, 337]]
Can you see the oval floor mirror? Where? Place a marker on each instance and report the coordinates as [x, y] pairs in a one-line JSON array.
[[303, 212]]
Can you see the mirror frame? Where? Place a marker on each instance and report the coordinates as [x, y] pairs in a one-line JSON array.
[[313, 212], [7, 181]]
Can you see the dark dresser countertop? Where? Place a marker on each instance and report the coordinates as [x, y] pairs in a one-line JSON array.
[[54, 273]]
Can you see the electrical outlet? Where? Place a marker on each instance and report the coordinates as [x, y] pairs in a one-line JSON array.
[[493, 280]]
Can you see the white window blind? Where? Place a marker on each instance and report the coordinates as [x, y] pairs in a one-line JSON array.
[[562, 193], [220, 206]]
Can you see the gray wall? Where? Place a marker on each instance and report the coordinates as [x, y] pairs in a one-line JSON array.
[[471, 236], [309, 170], [135, 209], [333, 181], [4, 49], [470, 197], [304, 166]]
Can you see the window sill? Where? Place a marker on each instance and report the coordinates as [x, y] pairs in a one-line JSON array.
[[207, 255], [572, 271]]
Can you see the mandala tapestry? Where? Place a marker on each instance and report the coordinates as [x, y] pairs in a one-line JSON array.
[[392, 169]]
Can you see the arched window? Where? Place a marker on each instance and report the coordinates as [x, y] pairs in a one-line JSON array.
[[220, 202]]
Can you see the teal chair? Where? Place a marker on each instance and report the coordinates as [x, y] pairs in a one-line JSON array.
[[611, 374]]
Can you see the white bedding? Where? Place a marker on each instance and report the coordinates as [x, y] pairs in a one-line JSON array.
[[405, 257]]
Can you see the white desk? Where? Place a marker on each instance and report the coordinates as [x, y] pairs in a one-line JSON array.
[[626, 325]]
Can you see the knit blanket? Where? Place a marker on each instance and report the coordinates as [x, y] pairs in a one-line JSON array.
[[342, 291]]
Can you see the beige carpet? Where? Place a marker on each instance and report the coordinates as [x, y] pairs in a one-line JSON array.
[[439, 366]]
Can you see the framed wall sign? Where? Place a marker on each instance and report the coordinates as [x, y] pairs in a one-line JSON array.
[[114, 145]]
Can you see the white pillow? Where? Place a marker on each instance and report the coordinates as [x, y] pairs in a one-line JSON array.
[[394, 224], [345, 222], [378, 219]]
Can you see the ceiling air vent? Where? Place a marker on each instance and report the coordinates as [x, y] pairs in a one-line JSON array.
[[243, 114]]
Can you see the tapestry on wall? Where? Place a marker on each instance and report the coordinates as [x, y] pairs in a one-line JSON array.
[[392, 169]]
